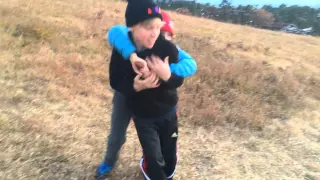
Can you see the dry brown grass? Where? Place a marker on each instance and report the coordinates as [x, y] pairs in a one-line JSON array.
[[250, 112]]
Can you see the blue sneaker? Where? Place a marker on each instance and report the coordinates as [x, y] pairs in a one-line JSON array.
[[103, 171]]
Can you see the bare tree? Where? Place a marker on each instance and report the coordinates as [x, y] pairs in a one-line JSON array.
[[262, 17]]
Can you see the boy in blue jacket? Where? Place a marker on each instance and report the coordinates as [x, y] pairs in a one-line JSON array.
[[121, 115]]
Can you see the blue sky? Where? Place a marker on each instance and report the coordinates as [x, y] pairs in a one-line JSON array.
[[273, 2]]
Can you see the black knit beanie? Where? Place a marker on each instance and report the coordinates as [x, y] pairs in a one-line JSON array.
[[140, 10]]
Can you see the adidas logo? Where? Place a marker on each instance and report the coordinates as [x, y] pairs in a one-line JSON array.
[[174, 135]]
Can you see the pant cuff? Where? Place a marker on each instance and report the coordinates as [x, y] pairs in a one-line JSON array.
[[145, 173]]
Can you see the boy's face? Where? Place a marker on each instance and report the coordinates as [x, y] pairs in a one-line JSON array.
[[147, 32], [167, 35]]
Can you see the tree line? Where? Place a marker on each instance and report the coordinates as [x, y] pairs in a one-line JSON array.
[[267, 16]]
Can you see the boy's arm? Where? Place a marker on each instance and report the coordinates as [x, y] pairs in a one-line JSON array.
[[119, 80], [186, 65], [119, 39], [174, 81]]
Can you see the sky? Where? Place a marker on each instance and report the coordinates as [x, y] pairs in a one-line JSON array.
[[314, 3]]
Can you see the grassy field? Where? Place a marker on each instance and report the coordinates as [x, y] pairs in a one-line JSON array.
[[250, 112]]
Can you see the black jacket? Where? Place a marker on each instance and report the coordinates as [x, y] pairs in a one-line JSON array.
[[149, 103]]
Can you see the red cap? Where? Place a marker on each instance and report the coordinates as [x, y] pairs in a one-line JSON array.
[[167, 23]]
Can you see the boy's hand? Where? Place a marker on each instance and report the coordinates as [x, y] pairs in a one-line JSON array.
[[161, 68], [150, 82], [139, 65]]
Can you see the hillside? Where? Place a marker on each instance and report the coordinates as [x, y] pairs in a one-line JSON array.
[[250, 112]]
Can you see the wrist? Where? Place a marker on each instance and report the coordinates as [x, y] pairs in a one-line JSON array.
[[167, 77], [133, 57], [137, 88]]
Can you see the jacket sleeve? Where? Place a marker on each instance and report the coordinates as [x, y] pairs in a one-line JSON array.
[[186, 65], [119, 39], [120, 80], [175, 80]]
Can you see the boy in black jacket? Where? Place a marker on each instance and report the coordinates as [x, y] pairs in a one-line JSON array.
[[152, 98]]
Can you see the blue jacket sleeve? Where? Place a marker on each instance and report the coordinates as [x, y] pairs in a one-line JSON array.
[[119, 39], [186, 66]]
